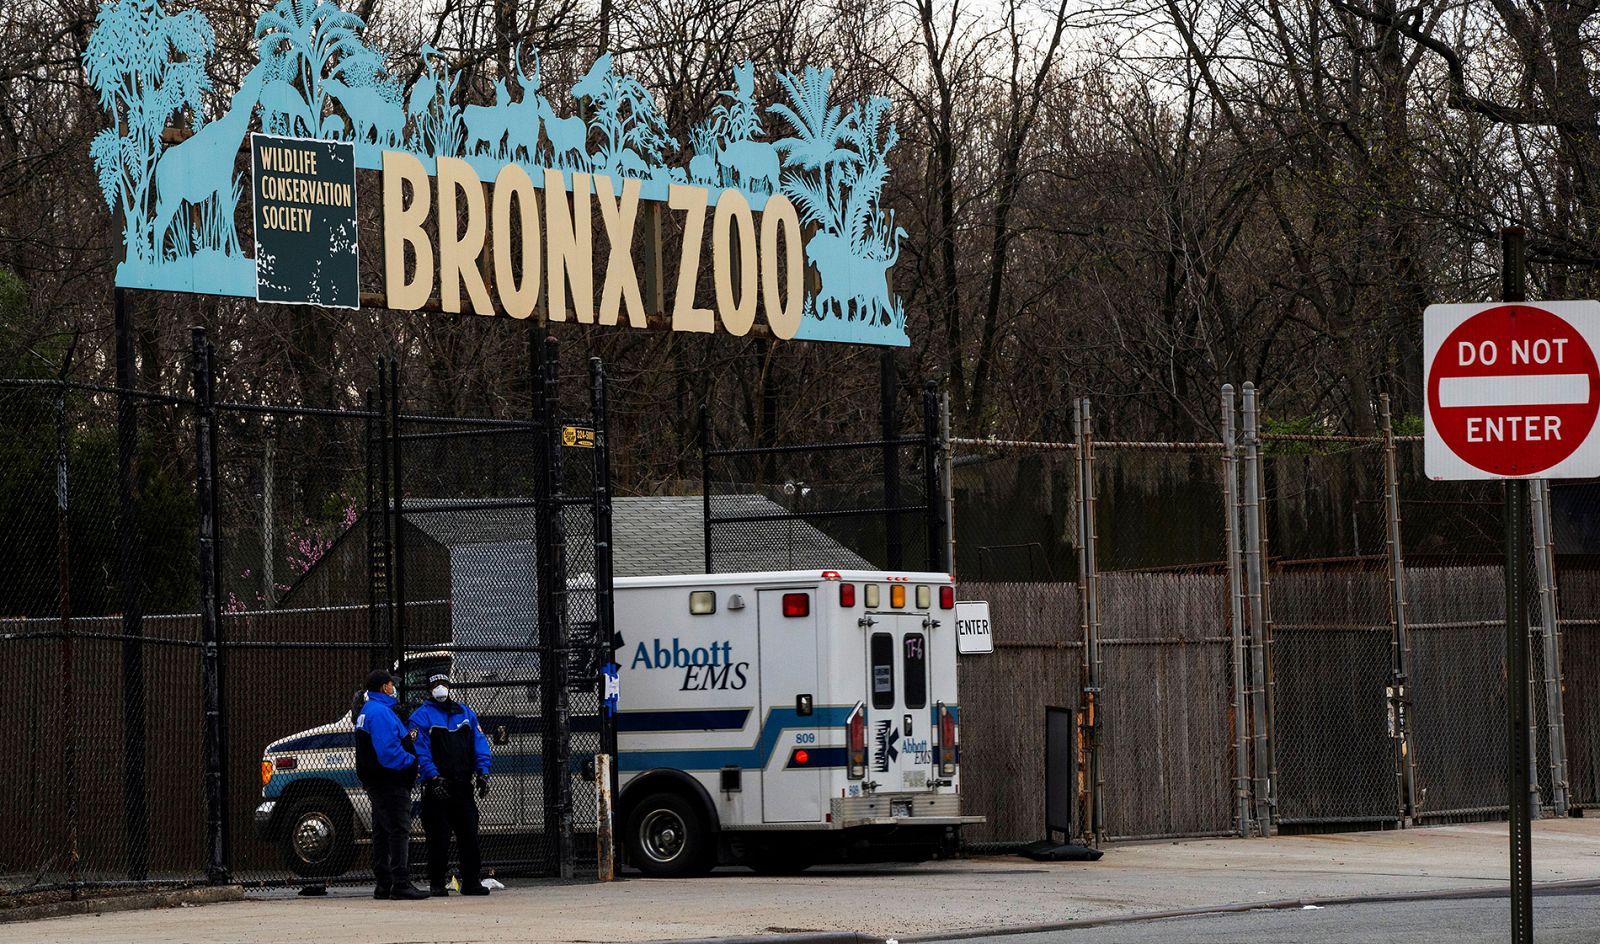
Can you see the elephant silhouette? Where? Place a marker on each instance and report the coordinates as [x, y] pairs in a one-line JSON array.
[[855, 287]]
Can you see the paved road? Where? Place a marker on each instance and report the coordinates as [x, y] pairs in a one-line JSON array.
[[1558, 918], [938, 898]]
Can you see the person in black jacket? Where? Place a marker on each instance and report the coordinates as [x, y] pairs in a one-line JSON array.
[[453, 756], [387, 766]]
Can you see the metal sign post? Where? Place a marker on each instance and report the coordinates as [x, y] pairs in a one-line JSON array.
[[1514, 289], [1513, 393]]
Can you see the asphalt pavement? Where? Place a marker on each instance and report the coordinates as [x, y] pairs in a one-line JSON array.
[[1559, 917], [970, 898]]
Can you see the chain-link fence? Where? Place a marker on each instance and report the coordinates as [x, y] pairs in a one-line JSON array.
[[1284, 629], [868, 503], [193, 589]]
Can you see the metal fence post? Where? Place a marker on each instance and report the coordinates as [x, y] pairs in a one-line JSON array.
[[1089, 616], [69, 701], [605, 618], [129, 564], [397, 549], [705, 482], [932, 482], [552, 614], [1262, 786], [893, 539], [1236, 598], [210, 608], [1400, 642], [1550, 633], [948, 473]]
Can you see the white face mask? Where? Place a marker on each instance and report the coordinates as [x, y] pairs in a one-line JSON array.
[[441, 692]]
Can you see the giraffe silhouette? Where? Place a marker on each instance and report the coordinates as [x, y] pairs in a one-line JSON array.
[[195, 170]]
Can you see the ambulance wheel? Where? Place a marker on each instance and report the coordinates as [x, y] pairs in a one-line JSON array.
[[318, 838], [668, 837]]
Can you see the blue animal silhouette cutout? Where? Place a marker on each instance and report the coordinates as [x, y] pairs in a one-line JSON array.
[[316, 77], [633, 137], [744, 162]]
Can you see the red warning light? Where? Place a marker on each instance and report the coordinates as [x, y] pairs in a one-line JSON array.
[[801, 757]]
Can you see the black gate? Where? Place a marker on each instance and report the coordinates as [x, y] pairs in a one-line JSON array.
[[509, 524], [203, 666]]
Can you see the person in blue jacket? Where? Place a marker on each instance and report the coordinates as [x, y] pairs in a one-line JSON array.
[[453, 758], [387, 767]]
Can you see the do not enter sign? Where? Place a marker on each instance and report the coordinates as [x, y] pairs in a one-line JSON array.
[[1512, 390]]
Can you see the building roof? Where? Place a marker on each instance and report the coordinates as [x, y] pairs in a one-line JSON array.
[[654, 535]]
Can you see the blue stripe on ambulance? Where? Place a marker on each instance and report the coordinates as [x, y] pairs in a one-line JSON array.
[[755, 757]]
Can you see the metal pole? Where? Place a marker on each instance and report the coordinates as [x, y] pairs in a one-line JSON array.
[[130, 565], [210, 616], [397, 549], [705, 482], [1089, 607], [1544, 565], [605, 614], [1400, 642], [931, 451], [948, 471], [894, 548], [553, 623], [1514, 289], [1236, 595], [1262, 783], [216, 568], [69, 701], [269, 592]]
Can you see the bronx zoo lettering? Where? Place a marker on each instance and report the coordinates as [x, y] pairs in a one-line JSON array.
[[554, 256]]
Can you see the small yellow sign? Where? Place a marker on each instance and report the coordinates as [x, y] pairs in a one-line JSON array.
[[577, 437]]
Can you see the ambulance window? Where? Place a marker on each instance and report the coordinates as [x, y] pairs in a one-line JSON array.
[[882, 670], [916, 671]]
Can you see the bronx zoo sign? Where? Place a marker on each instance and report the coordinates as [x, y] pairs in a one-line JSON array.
[[493, 209]]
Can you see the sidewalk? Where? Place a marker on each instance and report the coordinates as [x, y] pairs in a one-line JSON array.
[[889, 901]]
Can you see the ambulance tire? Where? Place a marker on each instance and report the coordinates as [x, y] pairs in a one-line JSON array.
[[668, 837], [318, 836]]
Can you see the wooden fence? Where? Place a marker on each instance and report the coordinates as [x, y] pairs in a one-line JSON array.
[[1167, 736]]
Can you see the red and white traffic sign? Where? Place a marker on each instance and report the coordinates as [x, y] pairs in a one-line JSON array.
[[1512, 390]]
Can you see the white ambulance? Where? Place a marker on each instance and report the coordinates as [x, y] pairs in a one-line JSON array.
[[774, 720], [782, 719]]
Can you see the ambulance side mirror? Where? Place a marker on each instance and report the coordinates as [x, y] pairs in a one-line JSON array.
[[802, 705]]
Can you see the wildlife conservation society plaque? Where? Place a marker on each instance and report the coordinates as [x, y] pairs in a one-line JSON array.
[[305, 216]]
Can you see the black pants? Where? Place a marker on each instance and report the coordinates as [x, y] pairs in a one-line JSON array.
[[391, 834], [457, 814]]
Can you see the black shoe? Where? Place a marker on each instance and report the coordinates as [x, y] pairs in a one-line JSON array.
[[381, 892], [407, 892], [439, 891], [474, 889]]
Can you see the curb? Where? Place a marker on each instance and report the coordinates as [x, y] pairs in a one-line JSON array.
[[1281, 904], [174, 898], [799, 937]]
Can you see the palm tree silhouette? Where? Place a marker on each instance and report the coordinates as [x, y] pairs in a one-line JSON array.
[[314, 32]]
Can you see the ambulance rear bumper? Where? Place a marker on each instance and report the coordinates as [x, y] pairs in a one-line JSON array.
[[899, 809], [911, 821]]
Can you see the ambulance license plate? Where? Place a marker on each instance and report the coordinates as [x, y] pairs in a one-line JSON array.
[[899, 807]]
